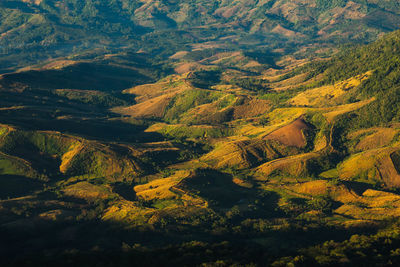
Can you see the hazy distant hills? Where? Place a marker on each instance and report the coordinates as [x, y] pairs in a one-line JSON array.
[[37, 29]]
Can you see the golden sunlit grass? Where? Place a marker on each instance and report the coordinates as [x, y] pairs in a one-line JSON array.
[[372, 205], [374, 138], [154, 107], [287, 83], [276, 119], [167, 85], [332, 113], [153, 99], [86, 190], [292, 166], [66, 159], [169, 189], [374, 166], [338, 192], [128, 213], [323, 95], [282, 116], [253, 130], [240, 154], [161, 188], [251, 108]]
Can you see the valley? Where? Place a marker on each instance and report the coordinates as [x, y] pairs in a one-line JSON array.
[[215, 133]]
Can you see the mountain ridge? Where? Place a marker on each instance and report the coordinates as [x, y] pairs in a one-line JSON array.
[[58, 29]]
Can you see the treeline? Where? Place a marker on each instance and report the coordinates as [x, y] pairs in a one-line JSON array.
[[381, 249], [383, 59], [252, 84]]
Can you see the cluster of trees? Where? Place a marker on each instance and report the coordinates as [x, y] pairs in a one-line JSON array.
[[253, 84], [205, 78], [382, 58], [381, 248], [327, 4]]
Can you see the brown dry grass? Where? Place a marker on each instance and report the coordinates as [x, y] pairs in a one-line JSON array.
[[290, 83], [240, 154], [58, 64], [127, 212], [87, 190], [154, 107], [190, 66], [179, 55], [379, 138], [202, 111], [342, 109], [375, 205], [286, 32], [168, 85], [153, 99], [374, 165], [327, 94], [278, 118], [293, 166], [322, 187], [157, 189], [291, 135], [251, 108], [36, 2]]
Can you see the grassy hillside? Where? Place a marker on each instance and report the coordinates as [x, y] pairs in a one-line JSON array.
[[379, 58], [211, 157]]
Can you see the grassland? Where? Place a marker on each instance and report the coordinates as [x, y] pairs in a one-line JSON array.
[[223, 154]]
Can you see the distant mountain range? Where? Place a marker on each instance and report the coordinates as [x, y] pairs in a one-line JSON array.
[[32, 30]]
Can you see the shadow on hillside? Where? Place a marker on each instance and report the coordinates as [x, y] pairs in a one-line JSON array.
[[46, 112], [84, 76], [125, 190], [99, 243], [12, 186], [221, 192], [358, 187], [216, 187]]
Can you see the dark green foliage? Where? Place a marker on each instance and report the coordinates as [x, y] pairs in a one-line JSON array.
[[380, 249], [328, 4], [205, 79], [217, 118], [263, 57], [187, 100], [382, 58], [183, 132], [198, 55], [83, 76], [278, 99], [96, 98], [321, 203], [12, 186], [253, 84], [216, 187]]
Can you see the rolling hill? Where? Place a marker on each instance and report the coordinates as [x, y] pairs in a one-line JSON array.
[[160, 145]]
